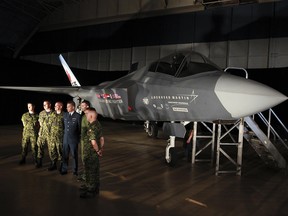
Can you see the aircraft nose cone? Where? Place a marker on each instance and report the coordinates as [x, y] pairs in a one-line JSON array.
[[243, 97]]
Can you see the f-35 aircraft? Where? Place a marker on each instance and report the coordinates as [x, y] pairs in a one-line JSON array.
[[181, 87]]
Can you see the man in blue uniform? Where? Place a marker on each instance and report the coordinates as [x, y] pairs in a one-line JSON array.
[[71, 139]]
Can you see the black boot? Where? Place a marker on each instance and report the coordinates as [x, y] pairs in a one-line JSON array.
[[22, 161], [60, 167], [97, 189], [87, 194], [39, 163], [35, 161], [53, 166]]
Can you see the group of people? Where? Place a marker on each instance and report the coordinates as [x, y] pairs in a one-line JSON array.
[[61, 132]]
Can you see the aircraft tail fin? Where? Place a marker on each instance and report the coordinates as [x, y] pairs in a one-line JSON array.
[[73, 80]]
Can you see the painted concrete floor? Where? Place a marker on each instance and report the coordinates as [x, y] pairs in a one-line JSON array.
[[135, 180]]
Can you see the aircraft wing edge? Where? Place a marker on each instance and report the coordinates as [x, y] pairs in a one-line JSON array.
[[72, 91]]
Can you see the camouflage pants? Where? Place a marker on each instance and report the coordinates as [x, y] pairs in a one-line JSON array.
[[92, 169], [41, 142], [32, 140], [56, 147], [82, 143]]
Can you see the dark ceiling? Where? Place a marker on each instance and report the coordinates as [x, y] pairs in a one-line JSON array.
[[20, 19]]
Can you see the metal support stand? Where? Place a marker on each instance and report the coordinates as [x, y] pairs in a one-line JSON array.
[[211, 141], [236, 163]]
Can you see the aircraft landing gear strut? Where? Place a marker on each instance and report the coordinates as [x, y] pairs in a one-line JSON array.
[[170, 153], [151, 128]]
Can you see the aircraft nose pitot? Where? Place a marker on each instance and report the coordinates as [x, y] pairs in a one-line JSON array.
[[243, 97]]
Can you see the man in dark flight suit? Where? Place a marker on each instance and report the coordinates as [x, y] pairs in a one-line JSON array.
[[71, 139]]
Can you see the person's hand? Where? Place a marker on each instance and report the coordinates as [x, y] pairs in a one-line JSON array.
[[100, 152]]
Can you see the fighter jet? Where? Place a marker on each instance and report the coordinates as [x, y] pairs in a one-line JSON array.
[[184, 86]]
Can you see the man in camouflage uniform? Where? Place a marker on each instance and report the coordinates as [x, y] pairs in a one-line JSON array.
[[30, 132], [91, 153], [44, 132], [56, 135], [84, 136]]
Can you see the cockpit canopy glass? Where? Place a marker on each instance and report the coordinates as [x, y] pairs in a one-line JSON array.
[[182, 64]]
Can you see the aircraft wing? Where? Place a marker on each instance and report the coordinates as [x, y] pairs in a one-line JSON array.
[[72, 91]]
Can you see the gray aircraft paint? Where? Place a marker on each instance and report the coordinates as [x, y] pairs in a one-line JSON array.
[[154, 93]]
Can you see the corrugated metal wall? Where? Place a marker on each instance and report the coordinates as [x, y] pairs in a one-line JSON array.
[[249, 36]]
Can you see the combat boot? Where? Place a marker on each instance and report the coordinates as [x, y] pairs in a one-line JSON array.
[[87, 194], [35, 161], [97, 189], [22, 161], [60, 167], [39, 163], [53, 166]]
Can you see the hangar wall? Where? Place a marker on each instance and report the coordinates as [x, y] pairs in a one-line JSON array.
[[249, 36], [100, 11]]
